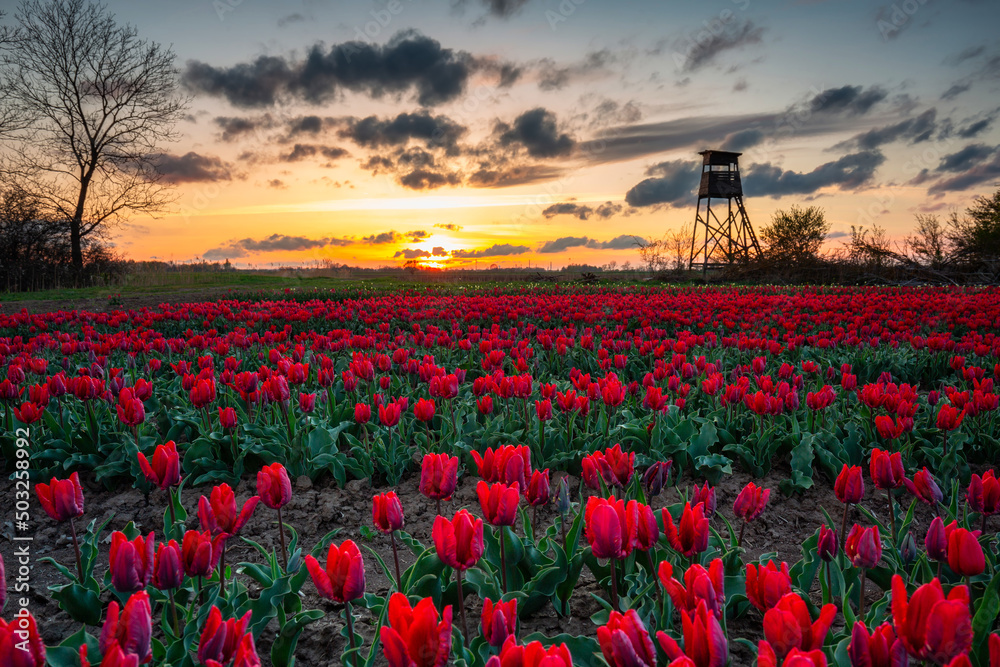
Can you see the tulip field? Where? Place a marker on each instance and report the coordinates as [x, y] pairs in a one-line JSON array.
[[506, 477]]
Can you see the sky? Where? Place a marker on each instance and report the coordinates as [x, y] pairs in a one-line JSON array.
[[550, 132]]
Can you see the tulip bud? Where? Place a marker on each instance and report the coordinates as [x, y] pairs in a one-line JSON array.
[[562, 497], [908, 551], [863, 546], [387, 512], [826, 547], [655, 478]]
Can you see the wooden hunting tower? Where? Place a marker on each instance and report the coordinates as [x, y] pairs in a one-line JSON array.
[[716, 242]]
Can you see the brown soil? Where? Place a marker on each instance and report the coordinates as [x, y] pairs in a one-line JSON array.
[[317, 509]]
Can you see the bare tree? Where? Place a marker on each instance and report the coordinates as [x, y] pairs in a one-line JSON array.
[[670, 253], [101, 100], [928, 245]]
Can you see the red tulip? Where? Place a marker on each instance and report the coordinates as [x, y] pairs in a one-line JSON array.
[[930, 625], [499, 502], [438, 476], [132, 629], [274, 488], [995, 641], [131, 562], [507, 464], [537, 491], [936, 540], [788, 625], [705, 643], [863, 546], [246, 653], [766, 657], [983, 495], [767, 584], [29, 413], [62, 499], [655, 477], [307, 402], [168, 568], [647, 532], [888, 428], [200, 553], [387, 512], [610, 526], [543, 409], [202, 393], [531, 655], [700, 585], [414, 637], [887, 469], [227, 418], [499, 621], [612, 465], [388, 414], [625, 642], [704, 496], [220, 639], [965, 554], [165, 469], [850, 485], [690, 536], [826, 546], [924, 487], [219, 514], [424, 409], [20, 643], [131, 411], [949, 418], [343, 579], [750, 502], [459, 542], [880, 648], [362, 413]]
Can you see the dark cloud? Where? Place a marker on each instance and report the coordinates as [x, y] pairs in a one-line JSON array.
[[914, 130], [536, 130], [290, 19], [975, 128], [376, 132], [742, 140], [965, 158], [495, 250], [609, 112], [191, 168], [307, 125], [416, 236], [669, 183], [847, 99], [273, 243], [439, 251], [982, 173], [450, 226], [510, 175], [408, 62], [503, 8], [303, 151], [582, 211], [415, 253], [564, 243], [955, 90], [234, 128], [699, 49], [553, 76], [277, 184], [836, 235], [383, 238], [851, 171], [424, 179]]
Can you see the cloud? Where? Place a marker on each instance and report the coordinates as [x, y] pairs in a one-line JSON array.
[[696, 51], [303, 151], [273, 243], [290, 19], [915, 130], [450, 226], [836, 235], [414, 253], [974, 129], [374, 132], [583, 212], [536, 130], [984, 172], [955, 90], [383, 238], [671, 182], [503, 8], [853, 100], [851, 171], [313, 125], [408, 62], [553, 76], [495, 250], [191, 168], [424, 179], [439, 251], [965, 158], [277, 183], [742, 140], [967, 54], [510, 175], [564, 243], [416, 236], [234, 128]]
